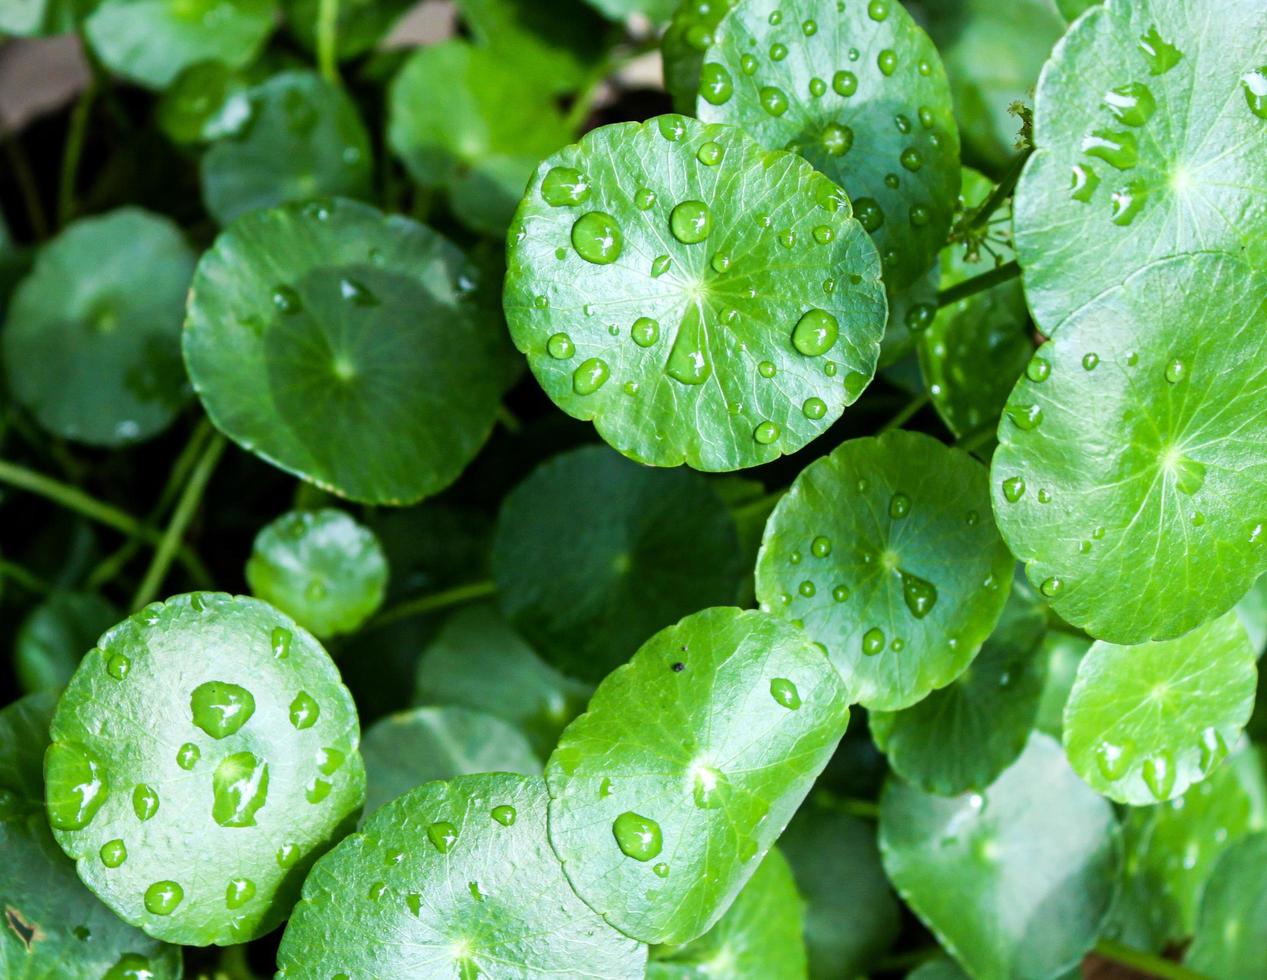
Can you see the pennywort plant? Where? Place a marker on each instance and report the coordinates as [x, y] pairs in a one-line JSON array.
[[472, 511]]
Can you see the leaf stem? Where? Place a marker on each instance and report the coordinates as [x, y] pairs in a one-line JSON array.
[[978, 284], [456, 596], [1149, 963], [26, 185], [907, 413], [25, 578], [508, 421], [579, 111], [186, 507], [978, 219], [328, 40], [864, 809], [972, 441], [76, 131]]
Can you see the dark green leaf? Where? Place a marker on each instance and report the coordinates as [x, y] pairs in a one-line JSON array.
[[207, 101], [55, 636], [1061, 652], [1231, 937]]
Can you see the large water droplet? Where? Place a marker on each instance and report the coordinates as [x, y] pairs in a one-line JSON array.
[[873, 641], [504, 814], [688, 359], [691, 222], [715, 83], [773, 100], [144, 801], [868, 213], [920, 595], [1025, 417], [75, 785], [304, 711], [239, 892], [239, 790], [220, 708], [597, 238], [766, 433], [899, 505], [637, 836], [113, 853], [1160, 54], [785, 693], [1082, 186], [560, 346], [1255, 85], [187, 756], [845, 83], [1159, 775], [1132, 104], [887, 62], [443, 835], [1116, 147], [565, 186], [280, 642], [815, 333], [1113, 760], [837, 139], [1128, 201]]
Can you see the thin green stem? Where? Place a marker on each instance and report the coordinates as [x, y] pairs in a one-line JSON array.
[[456, 596], [978, 219], [865, 809], [908, 960], [328, 40], [26, 185], [972, 441], [72, 498], [1149, 963], [581, 106], [765, 503], [907, 413], [508, 421], [72, 153], [978, 284], [25, 578], [186, 507]]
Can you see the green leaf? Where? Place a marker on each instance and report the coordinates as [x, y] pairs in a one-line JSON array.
[[759, 936], [204, 754], [700, 299], [205, 102], [321, 568], [1014, 882], [938, 968], [151, 41], [594, 553], [885, 552], [462, 119], [657, 10], [452, 879], [1061, 653], [860, 92], [303, 139], [961, 737], [1145, 722], [851, 916], [92, 338], [1231, 935], [974, 350], [1070, 9], [690, 761], [28, 18], [1149, 121], [1252, 612], [1130, 476], [1172, 849], [345, 347], [53, 926], [555, 47], [359, 26], [993, 53], [55, 635], [909, 309], [477, 661], [417, 746], [682, 48]]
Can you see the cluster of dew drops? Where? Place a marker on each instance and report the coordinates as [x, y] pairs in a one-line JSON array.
[[239, 783]]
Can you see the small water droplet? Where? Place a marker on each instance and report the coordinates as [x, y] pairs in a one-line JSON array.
[[899, 505], [287, 855], [836, 139], [912, 159], [239, 790], [1013, 488], [591, 375], [637, 836], [280, 642], [920, 595], [1159, 775], [287, 301], [887, 62], [1038, 369], [709, 154], [304, 711], [814, 409], [118, 666], [1116, 147], [356, 293], [844, 83], [840, 593], [1025, 417], [162, 897], [749, 64], [1113, 760], [220, 709], [1131, 104], [1083, 183], [113, 853], [187, 756], [868, 213], [560, 347], [504, 814], [873, 641], [661, 869], [238, 892], [672, 127], [644, 199], [645, 331], [1128, 201], [75, 785], [443, 835], [144, 802], [1160, 54], [1090, 361], [785, 693], [565, 186], [597, 238], [773, 100], [1254, 84], [1051, 587], [766, 433], [1176, 371], [817, 87]]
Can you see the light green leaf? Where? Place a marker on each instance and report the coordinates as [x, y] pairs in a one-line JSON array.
[[885, 552], [1231, 936], [460, 118], [204, 754], [452, 879], [1130, 475], [669, 790], [321, 568], [700, 299], [359, 26], [207, 101], [1061, 652], [53, 926], [346, 347], [1252, 612], [1149, 123], [55, 635], [479, 662], [858, 90], [151, 41], [26, 18], [1070, 9], [759, 937], [974, 350], [594, 553], [92, 338], [961, 737], [1145, 722], [851, 916], [303, 139], [1014, 882], [413, 747]]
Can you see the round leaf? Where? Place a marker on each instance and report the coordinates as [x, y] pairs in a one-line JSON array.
[[851, 916], [594, 553], [974, 350], [151, 41], [690, 761], [414, 747], [858, 90], [463, 119], [92, 339], [203, 755], [961, 737], [451, 879], [360, 24], [1144, 722], [205, 102], [1013, 882], [55, 635], [759, 936], [885, 552], [477, 661], [1149, 122], [1231, 937], [320, 567], [700, 299], [343, 346], [303, 139], [53, 926], [1130, 475]]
